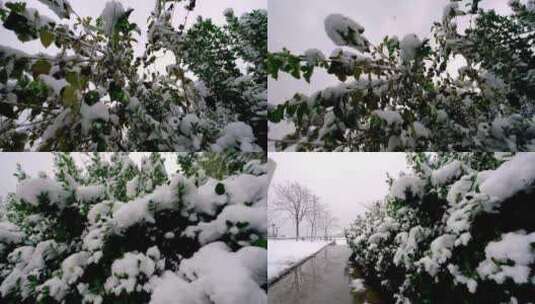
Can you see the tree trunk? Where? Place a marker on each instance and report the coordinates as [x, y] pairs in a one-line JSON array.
[[296, 229]]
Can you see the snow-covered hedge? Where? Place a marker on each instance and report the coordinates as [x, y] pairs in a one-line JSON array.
[[180, 239], [458, 229]]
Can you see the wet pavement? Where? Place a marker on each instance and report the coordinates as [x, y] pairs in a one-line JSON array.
[[322, 279]]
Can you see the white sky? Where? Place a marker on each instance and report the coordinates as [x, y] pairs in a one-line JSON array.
[[345, 182], [35, 162], [298, 26]]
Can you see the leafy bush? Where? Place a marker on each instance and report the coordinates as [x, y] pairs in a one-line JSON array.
[[401, 94], [113, 232], [96, 94], [450, 233]]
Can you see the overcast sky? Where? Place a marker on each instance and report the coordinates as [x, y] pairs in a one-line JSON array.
[[345, 182], [298, 26], [35, 162]]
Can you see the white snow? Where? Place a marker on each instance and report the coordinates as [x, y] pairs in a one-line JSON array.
[[55, 84], [409, 46], [28, 260], [345, 32], [111, 14], [31, 190], [132, 187], [38, 19], [164, 197], [127, 270], [391, 117], [215, 261], [57, 289], [73, 266], [238, 135], [254, 216], [284, 254], [407, 183], [90, 193], [90, 113], [314, 56], [451, 10], [420, 131], [408, 245], [459, 189], [188, 123], [9, 234], [62, 8], [441, 250], [517, 174], [357, 285], [8, 51], [447, 173], [341, 241], [509, 258], [171, 288], [200, 277]]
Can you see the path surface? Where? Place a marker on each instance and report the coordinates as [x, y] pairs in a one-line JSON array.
[[322, 279]]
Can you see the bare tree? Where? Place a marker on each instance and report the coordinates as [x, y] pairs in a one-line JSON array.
[[327, 222], [313, 215], [293, 199]]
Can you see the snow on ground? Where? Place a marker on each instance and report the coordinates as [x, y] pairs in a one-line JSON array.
[[341, 241], [284, 254]]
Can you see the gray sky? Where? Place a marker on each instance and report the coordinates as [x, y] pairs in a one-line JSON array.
[[344, 181], [298, 26], [142, 8], [35, 162]]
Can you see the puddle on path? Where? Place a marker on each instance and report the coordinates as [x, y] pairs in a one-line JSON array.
[[322, 279]]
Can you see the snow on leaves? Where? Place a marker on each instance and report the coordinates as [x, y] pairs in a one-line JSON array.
[[486, 105], [448, 224], [97, 94], [174, 239]]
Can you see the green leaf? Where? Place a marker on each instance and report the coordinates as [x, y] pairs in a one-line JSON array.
[[220, 189], [47, 38], [261, 243], [41, 66], [91, 97], [69, 96], [242, 225], [3, 76], [73, 79], [17, 7], [116, 93], [7, 110], [276, 115], [19, 24]]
